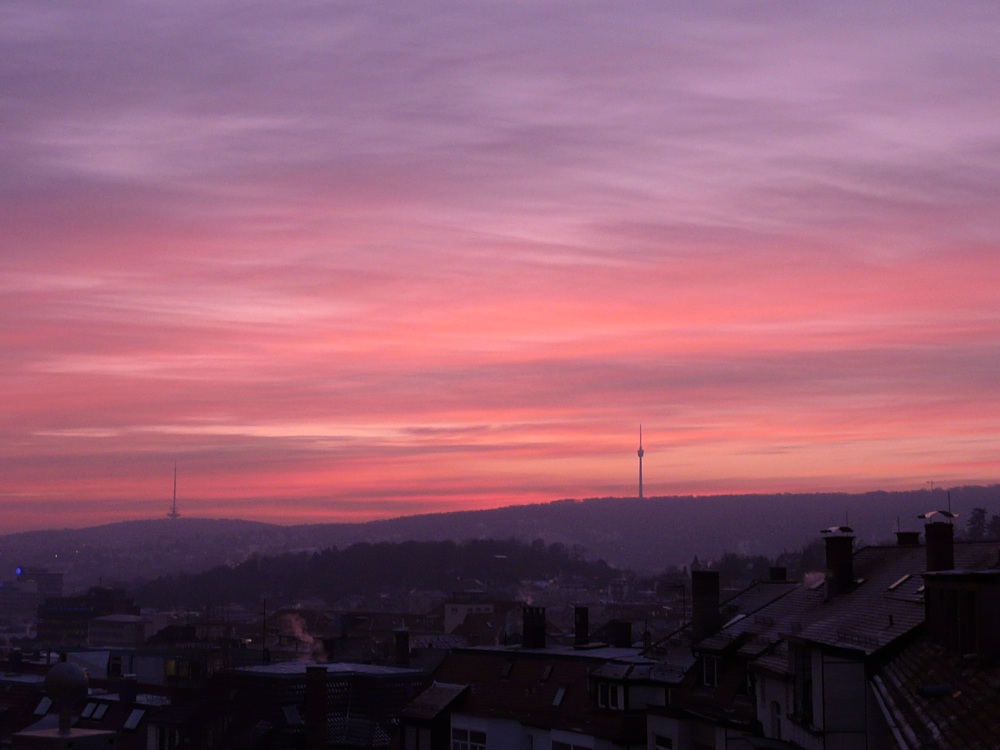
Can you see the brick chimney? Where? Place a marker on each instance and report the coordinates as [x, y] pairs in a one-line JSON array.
[[402, 643], [128, 690], [705, 617], [315, 708], [839, 564], [940, 546], [620, 633], [777, 574], [533, 627], [581, 626]]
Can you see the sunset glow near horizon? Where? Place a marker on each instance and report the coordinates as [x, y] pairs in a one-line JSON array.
[[353, 261]]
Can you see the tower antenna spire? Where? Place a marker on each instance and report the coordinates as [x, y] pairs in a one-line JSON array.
[[641, 454], [173, 510]]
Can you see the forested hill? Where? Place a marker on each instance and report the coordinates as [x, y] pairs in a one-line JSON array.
[[366, 569], [643, 535]]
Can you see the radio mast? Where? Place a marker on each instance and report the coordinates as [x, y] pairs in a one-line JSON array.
[[173, 510]]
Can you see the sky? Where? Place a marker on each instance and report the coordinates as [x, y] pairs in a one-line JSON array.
[[347, 261]]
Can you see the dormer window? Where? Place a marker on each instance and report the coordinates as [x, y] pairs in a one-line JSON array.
[[609, 695]]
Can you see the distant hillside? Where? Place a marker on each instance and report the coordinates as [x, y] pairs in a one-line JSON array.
[[644, 535], [387, 568]]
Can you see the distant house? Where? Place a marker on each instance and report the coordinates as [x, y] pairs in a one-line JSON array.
[[117, 631]]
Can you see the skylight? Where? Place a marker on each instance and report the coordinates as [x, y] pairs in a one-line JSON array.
[[134, 718], [896, 584]]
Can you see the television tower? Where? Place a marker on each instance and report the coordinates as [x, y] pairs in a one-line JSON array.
[[173, 510], [641, 454]]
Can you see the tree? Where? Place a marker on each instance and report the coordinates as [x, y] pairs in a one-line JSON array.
[[993, 530], [976, 525]]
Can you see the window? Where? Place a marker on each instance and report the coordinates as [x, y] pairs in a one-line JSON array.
[[802, 666], [102, 708], [560, 694], [547, 672], [468, 739], [88, 710], [505, 670], [558, 745], [709, 671], [292, 716], [43, 706]]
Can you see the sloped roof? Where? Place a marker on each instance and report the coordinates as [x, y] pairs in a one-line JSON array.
[[935, 698], [539, 687], [432, 701], [885, 605]]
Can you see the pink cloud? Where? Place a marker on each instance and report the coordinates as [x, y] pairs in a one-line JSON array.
[[354, 262]]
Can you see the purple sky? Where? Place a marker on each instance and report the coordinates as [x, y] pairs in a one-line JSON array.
[[346, 261]]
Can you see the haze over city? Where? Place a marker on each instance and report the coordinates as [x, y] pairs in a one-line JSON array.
[[344, 262]]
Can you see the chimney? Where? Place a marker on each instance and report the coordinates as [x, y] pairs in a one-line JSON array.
[[620, 633], [940, 546], [581, 626], [839, 564], [705, 618], [128, 690], [402, 647], [777, 574], [533, 627], [907, 538], [315, 708]]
